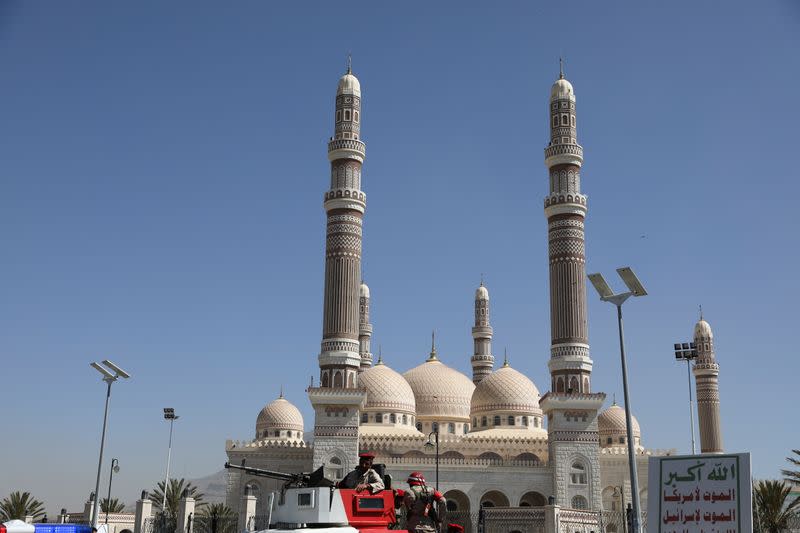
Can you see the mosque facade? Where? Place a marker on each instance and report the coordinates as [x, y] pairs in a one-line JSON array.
[[500, 443]]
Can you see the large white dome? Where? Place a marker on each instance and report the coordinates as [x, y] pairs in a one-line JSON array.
[[702, 330], [506, 390], [440, 391], [387, 390], [278, 415]]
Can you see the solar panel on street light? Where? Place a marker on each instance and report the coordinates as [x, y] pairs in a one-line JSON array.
[[102, 370], [116, 369], [600, 285], [630, 279]]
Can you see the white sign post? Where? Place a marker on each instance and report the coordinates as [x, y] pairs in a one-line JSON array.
[[700, 494]]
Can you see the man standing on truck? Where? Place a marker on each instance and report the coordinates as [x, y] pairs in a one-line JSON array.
[[421, 502], [363, 477]]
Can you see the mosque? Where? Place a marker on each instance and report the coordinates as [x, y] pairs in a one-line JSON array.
[[500, 443]]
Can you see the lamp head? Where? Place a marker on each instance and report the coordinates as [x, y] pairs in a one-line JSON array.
[[631, 281]]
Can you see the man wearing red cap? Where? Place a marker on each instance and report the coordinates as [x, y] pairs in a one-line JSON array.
[[363, 477], [421, 502]]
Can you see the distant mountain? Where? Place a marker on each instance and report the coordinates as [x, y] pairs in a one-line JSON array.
[[213, 486]]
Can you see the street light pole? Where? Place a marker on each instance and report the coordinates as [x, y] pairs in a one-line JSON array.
[[635, 288], [169, 414], [688, 351], [429, 444], [109, 378], [113, 470]]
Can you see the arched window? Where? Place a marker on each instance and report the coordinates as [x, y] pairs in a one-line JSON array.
[[338, 471], [573, 384], [497, 420], [419, 426], [277, 432], [451, 428], [337, 379], [451, 506], [466, 428], [577, 475], [435, 426], [510, 420], [475, 421], [579, 502], [325, 380], [351, 380], [379, 418], [483, 421], [405, 420], [525, 421], [622, 440], [586, 385], [535, 422], [560, 385], [289, 433], [364, 418], [393, 418]]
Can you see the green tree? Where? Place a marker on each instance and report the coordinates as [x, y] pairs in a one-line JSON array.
[[175, 491], [793, 476], [111, 506], [771, 512], [18, 505], [216, 518]]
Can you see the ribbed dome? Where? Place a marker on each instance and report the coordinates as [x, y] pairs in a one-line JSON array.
[[349, 84], [702, 330], [611, 423], [561, 89], [481, 293], [440, 391], [279, 414], [364, 290], [506, 390], [386, 389]]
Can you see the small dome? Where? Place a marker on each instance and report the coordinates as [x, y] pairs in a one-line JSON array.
[[506, 390], [702, 330], [387, 390], [349, 84], [440, 391], [611, 423], [481, 293], [279, 414], [364, 290], [562, 89]]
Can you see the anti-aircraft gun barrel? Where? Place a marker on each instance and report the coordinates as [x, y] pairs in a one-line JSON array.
[[302, 479]]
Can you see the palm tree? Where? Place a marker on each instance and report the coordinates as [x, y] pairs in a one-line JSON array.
[[771, 512], [175, 491], [111, 506], [216, 518], [793, 476], [18, 505]]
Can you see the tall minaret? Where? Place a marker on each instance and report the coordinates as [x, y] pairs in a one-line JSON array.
[[338, 399], [570, 406], [482, 359], [364, 328], [339, 359], [706, 374]]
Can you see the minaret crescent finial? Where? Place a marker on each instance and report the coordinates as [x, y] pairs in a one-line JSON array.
[[481, 279], [349, 63], [380, 354], [505, 357], [281, 396], [701, 312], [561, 68], [614, 401], [433, 346]]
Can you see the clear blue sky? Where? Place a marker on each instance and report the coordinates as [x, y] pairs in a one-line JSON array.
[[162, 167]]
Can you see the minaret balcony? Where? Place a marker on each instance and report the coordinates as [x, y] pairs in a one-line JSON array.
[[346, 149], [563, 154]]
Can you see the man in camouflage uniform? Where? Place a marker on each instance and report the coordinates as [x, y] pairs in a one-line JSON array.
[[363, 477], [421, 502]]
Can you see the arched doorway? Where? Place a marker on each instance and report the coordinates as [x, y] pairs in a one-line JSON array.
[[532, 499], [458, 509], [494, 498]]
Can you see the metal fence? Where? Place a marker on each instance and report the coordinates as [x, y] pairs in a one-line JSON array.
[[615, 522], [214, 524], [160, 523]]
